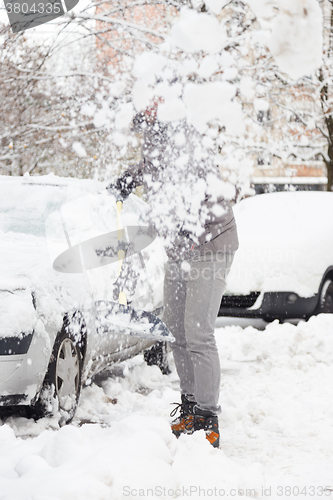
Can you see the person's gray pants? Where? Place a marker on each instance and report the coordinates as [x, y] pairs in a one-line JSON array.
[[192, 297]]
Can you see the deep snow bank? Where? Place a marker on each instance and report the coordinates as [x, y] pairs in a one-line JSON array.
[[276, 428]]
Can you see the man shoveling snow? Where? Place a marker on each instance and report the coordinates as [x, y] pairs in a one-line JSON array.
[[199, 231]]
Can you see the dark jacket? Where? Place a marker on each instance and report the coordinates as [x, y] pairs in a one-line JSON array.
[[214, 215]]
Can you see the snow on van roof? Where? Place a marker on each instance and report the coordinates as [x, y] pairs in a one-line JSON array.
[[285, 242]]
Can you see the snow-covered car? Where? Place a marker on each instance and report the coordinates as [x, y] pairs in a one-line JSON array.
[[53, 336], [283, 268]]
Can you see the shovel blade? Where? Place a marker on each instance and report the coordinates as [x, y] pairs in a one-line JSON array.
[[135, 322]]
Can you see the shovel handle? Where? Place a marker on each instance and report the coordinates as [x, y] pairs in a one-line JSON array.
[[121, 252]]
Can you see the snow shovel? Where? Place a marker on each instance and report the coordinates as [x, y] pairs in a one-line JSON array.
[[106, 249], [124, 318]]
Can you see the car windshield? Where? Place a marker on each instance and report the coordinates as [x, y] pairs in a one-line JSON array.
[[25, 207]]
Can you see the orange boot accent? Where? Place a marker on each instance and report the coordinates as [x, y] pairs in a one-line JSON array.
[[210, 425], [213, 438], [184, 424]]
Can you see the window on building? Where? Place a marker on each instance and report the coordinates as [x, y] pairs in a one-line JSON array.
[[298, 117], [263, 116], [264, 160]]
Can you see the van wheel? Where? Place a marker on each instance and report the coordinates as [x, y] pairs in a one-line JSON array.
[[62, 384], [326, 298]]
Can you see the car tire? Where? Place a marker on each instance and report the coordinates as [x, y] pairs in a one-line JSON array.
[[61, 388], [325, 304]]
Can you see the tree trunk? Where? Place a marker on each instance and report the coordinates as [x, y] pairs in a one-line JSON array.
[[329, 166], [325, 105], [329, 162]]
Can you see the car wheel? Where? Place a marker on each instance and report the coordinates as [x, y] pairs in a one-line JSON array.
[[62, 384], [326, 297]]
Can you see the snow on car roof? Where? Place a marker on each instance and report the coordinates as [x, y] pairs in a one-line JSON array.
[[53, 180], [280, 206]]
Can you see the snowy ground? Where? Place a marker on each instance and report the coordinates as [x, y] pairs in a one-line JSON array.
[[276, 429]]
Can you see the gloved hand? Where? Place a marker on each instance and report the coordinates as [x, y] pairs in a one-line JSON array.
[[115, 190], [123, 186]]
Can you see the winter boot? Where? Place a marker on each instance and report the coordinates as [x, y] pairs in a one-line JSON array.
[[184, 423], [209, 423]]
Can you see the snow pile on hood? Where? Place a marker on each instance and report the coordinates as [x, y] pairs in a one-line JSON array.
[[276, 428], [12, 323], [296, 40]]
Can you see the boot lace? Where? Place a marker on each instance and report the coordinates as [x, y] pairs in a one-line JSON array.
[[180, 407], [185, 408]]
